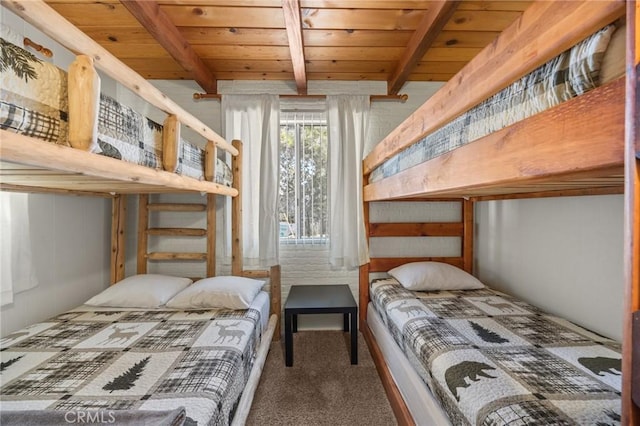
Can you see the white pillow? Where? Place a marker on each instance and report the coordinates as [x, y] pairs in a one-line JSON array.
[[425, 276], [140, 291], [218, 292]]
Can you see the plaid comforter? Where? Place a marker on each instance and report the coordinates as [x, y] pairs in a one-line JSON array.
[[124, 360], [493, 360], [570, 74]]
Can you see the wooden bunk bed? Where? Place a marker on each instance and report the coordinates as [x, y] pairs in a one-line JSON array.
[[28, 164], [574, 148]]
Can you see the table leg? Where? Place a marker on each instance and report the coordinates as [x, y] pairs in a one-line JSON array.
[[288, 339], [295, 323], [354, 337], [345, 322]]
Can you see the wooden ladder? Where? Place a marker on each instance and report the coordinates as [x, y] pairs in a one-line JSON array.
[[145, 208]]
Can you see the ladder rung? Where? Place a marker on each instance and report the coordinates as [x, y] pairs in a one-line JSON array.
[[176, 256], [177, 207], [177, 232]]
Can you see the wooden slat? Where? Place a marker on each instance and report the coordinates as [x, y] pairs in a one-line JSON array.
[[210, 155], [223, 16], [591, 128], [428, 29], [363, 293], [520, 48], [177, 256], [118, 223], [236, 213], [159, 25], [340, 38], [581, 192], [43, 17], [25, 150], [440, 229], [178, 232], [177, 207], [293, 24], [234, 36], [143, 225], [384, 264]]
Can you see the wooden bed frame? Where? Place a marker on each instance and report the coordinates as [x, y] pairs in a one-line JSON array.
[[524, 160]]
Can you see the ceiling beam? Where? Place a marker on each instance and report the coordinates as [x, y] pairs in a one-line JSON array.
[[159, 25], [293, 23], [429, 28]]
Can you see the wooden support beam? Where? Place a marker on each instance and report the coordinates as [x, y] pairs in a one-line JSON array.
[[467, 237], [293, 24], [160, 26], [236, 212], [276, 296], [210, 154], [84, 101], [143, 224], [170, 143], [519, 49], [428, 30], [177, 207], [118, 222], [211, 235], [631, 318]]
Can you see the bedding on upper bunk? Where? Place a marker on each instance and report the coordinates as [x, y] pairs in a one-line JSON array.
[[570, 74], [491, 359], [34, 102], [123, 359]]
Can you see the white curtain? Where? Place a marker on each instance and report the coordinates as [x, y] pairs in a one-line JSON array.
[[255, 120], [16, 264], [347, 120]]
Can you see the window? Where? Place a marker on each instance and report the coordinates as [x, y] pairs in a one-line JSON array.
[[303, 177]]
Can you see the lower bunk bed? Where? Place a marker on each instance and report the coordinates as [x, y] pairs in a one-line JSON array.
[[186, 361], [478, 356]]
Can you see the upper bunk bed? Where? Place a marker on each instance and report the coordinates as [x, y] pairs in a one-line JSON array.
[[573, 144], [76, 160]]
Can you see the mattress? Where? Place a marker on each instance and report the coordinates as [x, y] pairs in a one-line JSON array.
[[34, 102], [123, 359], [489, 358], [576, 71]]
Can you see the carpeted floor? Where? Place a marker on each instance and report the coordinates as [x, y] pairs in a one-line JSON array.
[[322, 387]]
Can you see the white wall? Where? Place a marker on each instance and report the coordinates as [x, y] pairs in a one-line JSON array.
[[70, 247], [564, 255]]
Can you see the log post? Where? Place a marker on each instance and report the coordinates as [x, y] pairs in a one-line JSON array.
[[170, 143], [236, 212], [84, 103]]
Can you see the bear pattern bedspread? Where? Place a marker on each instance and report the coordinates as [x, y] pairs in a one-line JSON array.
[[494, 360], [132, 360]]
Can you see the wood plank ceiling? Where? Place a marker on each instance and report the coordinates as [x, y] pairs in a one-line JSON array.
[[299, 40]]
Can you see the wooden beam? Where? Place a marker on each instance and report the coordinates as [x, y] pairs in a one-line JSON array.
[[236, 212], [211, 235], [170, 143], [521, 48], [34, 152], [631, 340], [50, 22], [84, 102], [275, 291], [384, 264], [293, 23], [432, 229], [467, 237], [423, 37], [160, 26], [143, 225], [118, 222]]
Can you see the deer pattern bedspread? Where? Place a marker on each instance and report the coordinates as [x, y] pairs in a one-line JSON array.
[[124, 360], [494, 360]]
